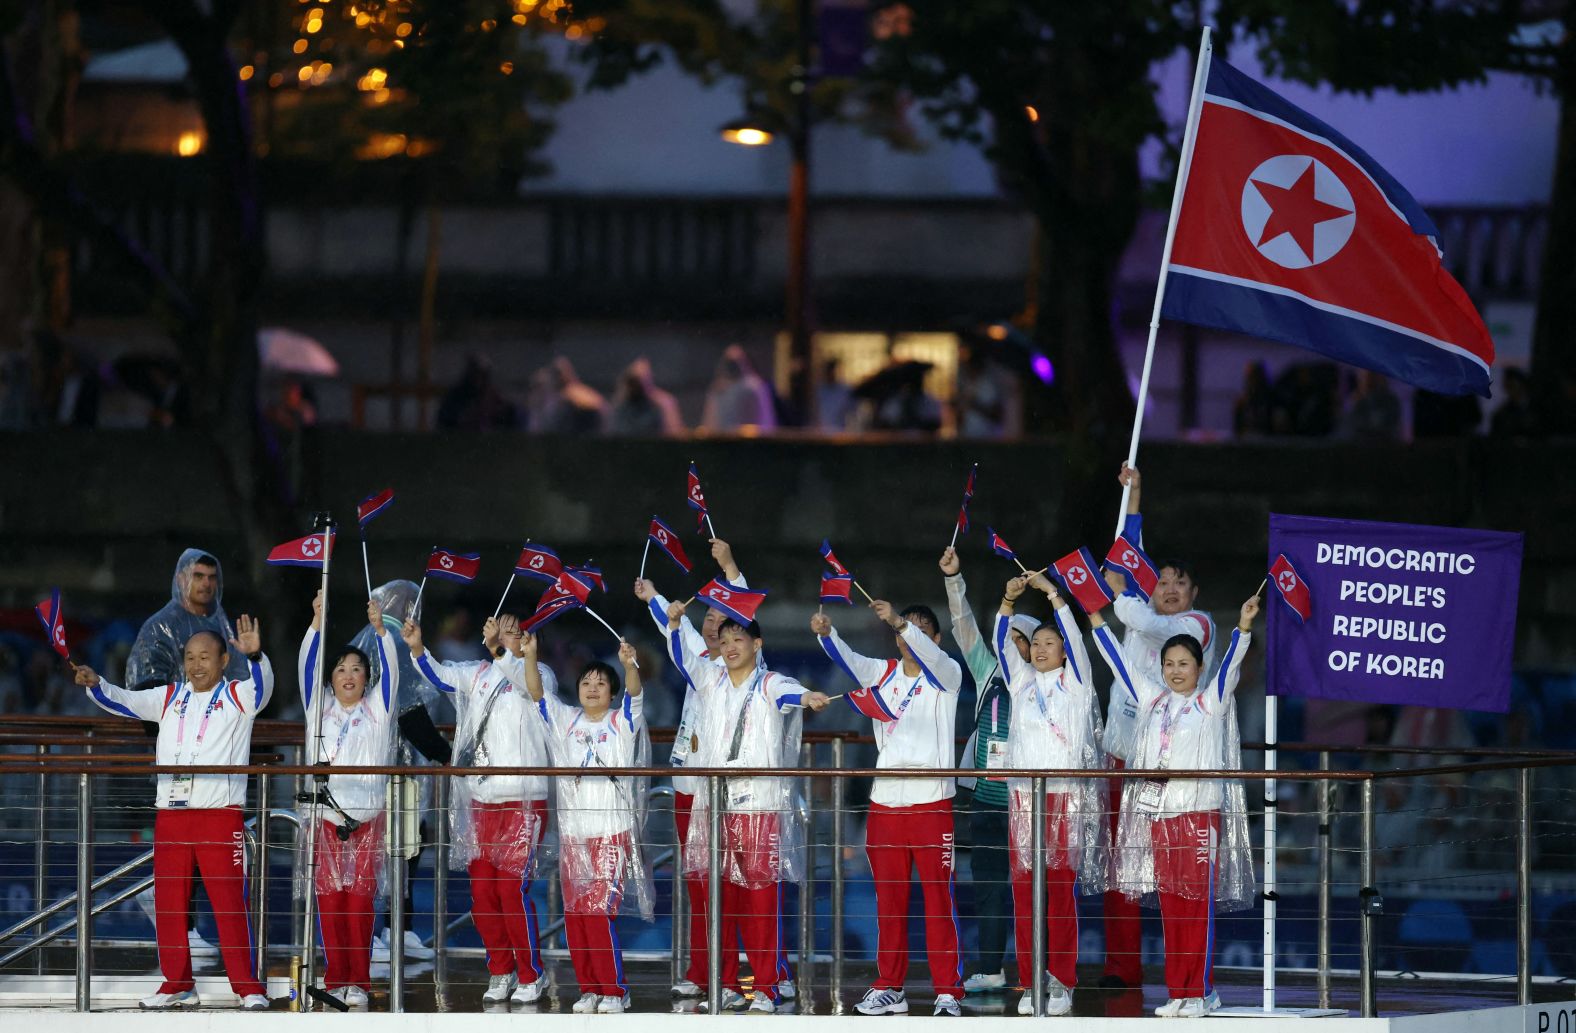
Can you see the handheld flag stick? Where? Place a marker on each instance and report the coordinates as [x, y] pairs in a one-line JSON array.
[[313, 751], [1262, 586], [690, 600], [1189, 139], [366, 567], [415, 607], [501, 598], [709, 527], [1020, 564], [643, 554], [863, 592], [609, 627], [954, 543]]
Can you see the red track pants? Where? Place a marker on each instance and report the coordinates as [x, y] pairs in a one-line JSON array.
[[347, 883], [1124, 927], [590, 911], [1061, 910], [695, 888], [898, 840], [501, 905], [213, 843], [1185, 874]]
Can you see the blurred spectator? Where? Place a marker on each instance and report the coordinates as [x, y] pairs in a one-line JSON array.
[[641, 408], [475, 403], [834, 400], [1514, 418], [1445, 416], [983, 400], [1373, 412], [1254, 413], [1304, 400], [909, 408], [738, 397], [459, 641], [71, 393], [562, 403], [294, 405]]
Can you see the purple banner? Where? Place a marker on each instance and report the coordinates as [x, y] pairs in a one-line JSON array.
[[1401, 613]]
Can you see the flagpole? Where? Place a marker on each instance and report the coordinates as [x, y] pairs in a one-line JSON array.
[[864, 593], [966, 496], [609, 627], [1189, 138], [643, 554], [415, 607], [954, 543], [709, 526], [366, 565], [1271, 742], [501, 598], [311, 748]]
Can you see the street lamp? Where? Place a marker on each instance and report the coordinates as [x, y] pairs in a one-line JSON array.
[[756, 132]]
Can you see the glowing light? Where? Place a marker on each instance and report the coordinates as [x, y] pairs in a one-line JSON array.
[[1032, 112], [246, 72], [189, 144], [276, 80], [382, 145], [489, 25], [322, 73], [748, 136], [1042, 368], [381, 96], [374, 80], [573, 32], [299, 46], [507, 68], [518, 19], [304, 73], [402, 30], [997, 331]]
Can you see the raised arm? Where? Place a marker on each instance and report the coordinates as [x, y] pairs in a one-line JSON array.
[[522, 668], [444, 675], [1133, 522], [1230, 671], [388, 668], [684, 656], [976, 651], [255, 693], [1106, 643], [865, 671], [722, 552], [141, 706], [1136, 615], [940, 669], [1007, 654], [657, 606], [1073, 646]]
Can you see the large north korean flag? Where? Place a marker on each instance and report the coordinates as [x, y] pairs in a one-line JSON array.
[[1289, 231]]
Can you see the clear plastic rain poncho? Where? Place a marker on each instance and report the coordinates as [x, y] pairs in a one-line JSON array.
[[1055, 723], [756, 725], [1164, 824], [601, 818], [352, 818], [491, 817], [158, 655]]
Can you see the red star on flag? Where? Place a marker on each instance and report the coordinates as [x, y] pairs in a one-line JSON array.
[[1295, 211]]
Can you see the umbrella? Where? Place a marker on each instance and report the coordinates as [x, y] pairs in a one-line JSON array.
[[892, 379], [289, 352]]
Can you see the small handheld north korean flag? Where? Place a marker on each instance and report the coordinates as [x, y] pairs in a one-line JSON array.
[[1292, 588], [454, 566], [999, 545], [1077, 572], [835, 588], [54, 623], [373, 505], [831, 558], [869, 703], [963, 510], [666, 539], [731, 600], [310, 551], [697, 499], [555, 602], [540, 562], [1135, 565], [580, 582]]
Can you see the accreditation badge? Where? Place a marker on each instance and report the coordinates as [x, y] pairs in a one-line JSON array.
[[181, 788]]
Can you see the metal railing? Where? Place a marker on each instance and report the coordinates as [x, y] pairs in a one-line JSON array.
[[89, 770]]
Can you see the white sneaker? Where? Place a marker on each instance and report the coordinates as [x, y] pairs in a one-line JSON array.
[[786, 991], [1058, 998], [499, 988], [731, 1000], [1026, 1002], [179, 999], [946, 1004], [610, 1005], [380, 948], [414, 948], [587, 1004], [354, 996], [985, 982], [1198, 1007], [530, 993], [254, 1002], [883, 1002], [200, 947], [685, 988], [763, 1005], [1170, 1009]]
